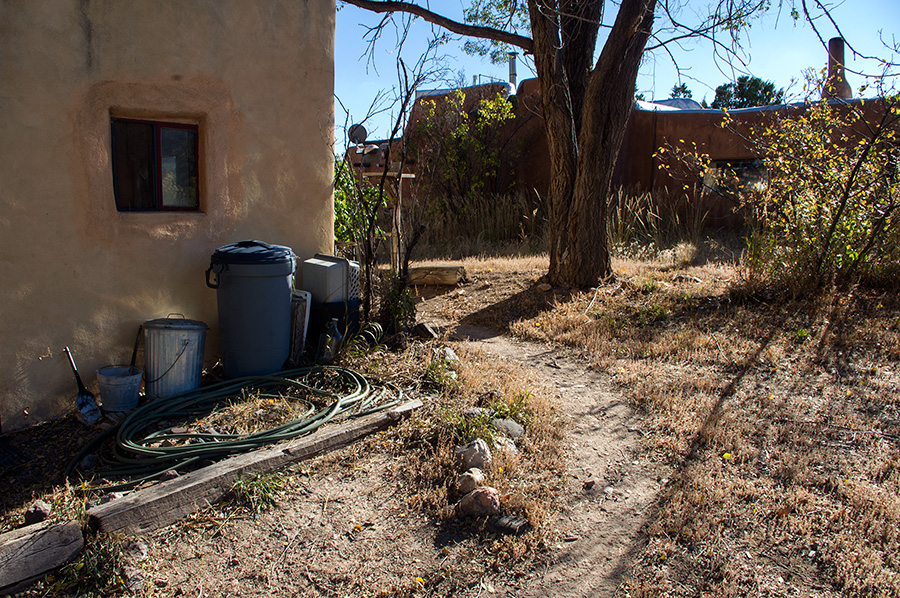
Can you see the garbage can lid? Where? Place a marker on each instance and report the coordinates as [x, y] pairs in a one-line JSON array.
[[252, 252], [175, 324]]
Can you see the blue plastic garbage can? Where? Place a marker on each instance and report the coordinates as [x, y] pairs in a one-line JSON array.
[[253, 282]]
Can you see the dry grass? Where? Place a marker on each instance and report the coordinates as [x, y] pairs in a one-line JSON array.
[[421, 469], [781, 419], [528, 481]]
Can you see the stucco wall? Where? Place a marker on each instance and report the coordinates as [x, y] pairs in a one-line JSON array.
[[258, 79]]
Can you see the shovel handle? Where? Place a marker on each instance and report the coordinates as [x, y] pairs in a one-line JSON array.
[[81, 387], [71, 361]]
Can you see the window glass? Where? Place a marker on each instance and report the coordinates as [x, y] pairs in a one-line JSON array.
[[178, 167], [736, 177], [154, 165], [133, 160]]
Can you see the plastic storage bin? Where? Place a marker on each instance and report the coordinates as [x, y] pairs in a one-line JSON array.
[[253, 282]]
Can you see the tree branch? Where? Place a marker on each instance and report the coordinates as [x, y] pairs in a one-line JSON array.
[[456, 27]]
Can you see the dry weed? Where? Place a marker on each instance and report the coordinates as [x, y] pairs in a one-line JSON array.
[[781, 418]]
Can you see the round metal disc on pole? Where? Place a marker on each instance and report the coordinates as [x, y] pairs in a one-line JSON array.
[[357, 134]]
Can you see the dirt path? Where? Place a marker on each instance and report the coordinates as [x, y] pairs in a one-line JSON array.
[[611, 486]]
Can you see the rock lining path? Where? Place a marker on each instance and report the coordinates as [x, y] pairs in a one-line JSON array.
[[611, 485]]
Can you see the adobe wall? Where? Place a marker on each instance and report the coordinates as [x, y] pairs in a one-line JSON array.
[[257, 77]]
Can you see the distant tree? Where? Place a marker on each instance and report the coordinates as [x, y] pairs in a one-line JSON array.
[[746, 93], [587, 91], [459, 146], [680, 91]]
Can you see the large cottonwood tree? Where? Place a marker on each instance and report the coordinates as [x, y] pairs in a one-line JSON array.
[[586, 102]]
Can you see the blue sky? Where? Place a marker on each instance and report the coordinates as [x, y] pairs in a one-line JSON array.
[[778, 50]]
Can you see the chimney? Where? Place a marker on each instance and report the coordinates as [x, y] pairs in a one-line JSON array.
[[836, 85], [512, 69]]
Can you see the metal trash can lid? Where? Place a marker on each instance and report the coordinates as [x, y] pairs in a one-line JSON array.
[[252, 252], [175, 324]]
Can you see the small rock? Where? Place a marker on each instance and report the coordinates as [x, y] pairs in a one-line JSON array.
[[110, 496], [481, 502], [506, 444], [589, 485], [475, 454], [469, 481], [544, 287], [37, 512], [89, 462], [608, 490], [508, 426], [449, 355], [509, 524], [134, 579], [139, 551], [424, 330], [168, 475], [179, 431]]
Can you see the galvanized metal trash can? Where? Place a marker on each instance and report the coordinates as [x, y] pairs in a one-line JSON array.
[[173, 357], [253, 282]]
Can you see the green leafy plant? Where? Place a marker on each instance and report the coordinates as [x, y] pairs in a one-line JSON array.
[[438, 374], [830, 207], [826, 211], [353, 199], [518, 408], [459, 143], [466, 428], [397, 308], [257, 492]]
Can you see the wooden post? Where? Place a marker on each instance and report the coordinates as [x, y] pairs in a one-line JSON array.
[[32, 551], [165, 503]]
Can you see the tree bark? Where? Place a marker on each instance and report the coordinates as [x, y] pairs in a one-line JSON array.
[[585, 113], [584, 144]]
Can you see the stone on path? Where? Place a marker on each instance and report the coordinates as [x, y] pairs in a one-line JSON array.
[[481, 502], [469, 481], [475, 454]]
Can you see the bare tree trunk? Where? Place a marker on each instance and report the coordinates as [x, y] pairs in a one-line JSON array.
[[585, 126]]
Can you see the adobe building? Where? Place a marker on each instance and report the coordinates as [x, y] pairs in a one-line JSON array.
[[651, 125], [139, 137]]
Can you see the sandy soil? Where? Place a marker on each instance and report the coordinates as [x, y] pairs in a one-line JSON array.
[[611, 488], [346, 525]]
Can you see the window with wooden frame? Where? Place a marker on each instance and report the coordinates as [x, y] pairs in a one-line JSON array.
[[155, 166]]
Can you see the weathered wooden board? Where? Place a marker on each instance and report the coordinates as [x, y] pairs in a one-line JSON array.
[[167, 502], [437, 275], [30, 552]]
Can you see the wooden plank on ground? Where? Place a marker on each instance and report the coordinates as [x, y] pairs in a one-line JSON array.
[[437, 275], [165, 503], [32, 551]]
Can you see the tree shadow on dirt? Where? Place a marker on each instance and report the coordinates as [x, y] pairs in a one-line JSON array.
[[525, 304], [843, 323]]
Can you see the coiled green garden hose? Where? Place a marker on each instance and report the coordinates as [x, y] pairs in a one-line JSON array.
[[143, 447]]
